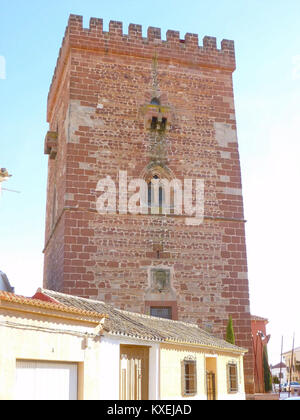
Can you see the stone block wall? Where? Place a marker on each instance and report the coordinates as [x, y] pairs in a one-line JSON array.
[[100, 106]]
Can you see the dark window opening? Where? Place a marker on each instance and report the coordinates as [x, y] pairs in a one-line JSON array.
[[154, 123], [160, 197], [163, 124], [151, 197], [158, 125], [161, 312], [155, 101]]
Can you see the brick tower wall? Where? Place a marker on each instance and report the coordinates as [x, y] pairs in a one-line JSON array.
[[98, 111]]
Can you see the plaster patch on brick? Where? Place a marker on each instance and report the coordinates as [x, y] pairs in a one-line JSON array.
[[225, 134], [233, 191], [69, 196], [80, 116], [243, 276], [229, 100], [84, 165], [225, 155]]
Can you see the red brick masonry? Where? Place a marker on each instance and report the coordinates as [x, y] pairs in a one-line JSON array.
[[99, 106]]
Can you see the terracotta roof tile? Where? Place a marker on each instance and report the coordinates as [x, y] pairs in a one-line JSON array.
[[258, 318], [11, 297], [145, 327]]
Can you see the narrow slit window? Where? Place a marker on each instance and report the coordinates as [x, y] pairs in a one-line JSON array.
[[151, 193], [163, 124], [154, 123]]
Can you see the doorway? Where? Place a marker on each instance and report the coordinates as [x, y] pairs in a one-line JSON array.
[[134, 372], [211, 371]]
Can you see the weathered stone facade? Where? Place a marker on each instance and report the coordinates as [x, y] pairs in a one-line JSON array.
[[149, 107]]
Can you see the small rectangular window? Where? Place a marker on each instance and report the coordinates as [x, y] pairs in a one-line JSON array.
[[161, 312], [189, 380], [163, 124], [154, 123], [232, 377]]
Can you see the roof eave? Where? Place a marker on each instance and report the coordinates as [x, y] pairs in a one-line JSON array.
[[238, 350]]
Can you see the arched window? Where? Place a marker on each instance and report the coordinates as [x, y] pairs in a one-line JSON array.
[[158, 125], [151, 192], [164, 191], [155, 101]]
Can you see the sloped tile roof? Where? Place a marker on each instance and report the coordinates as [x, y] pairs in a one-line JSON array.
[[258, 318], [278, 366], [134, 325], [11, 297]]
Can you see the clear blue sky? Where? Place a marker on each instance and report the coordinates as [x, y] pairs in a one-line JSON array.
[[267, 96]]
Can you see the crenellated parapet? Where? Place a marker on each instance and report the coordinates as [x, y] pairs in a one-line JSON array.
[[188, 48], [174, 49]]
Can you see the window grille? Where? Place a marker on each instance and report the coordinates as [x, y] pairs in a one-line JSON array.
[[232, 377], [161, 312], [151, 202], [189, 372], [150, 193]]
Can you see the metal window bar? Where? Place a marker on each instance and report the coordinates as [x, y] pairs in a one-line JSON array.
[[211, 386], [233, 382], [161, 312], [190, 380], [151, 197]]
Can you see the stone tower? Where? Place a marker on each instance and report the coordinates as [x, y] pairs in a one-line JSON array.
[[124, 108]]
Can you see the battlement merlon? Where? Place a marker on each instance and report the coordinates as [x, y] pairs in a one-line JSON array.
[[174, 49]]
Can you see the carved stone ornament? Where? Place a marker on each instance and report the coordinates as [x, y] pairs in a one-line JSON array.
[[160, 279], [190, 358]]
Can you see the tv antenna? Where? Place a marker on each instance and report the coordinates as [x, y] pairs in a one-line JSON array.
[[4, 176]]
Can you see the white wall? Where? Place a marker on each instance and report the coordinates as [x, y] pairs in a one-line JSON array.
[[276, 372], [110, 366], [222, 361]]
